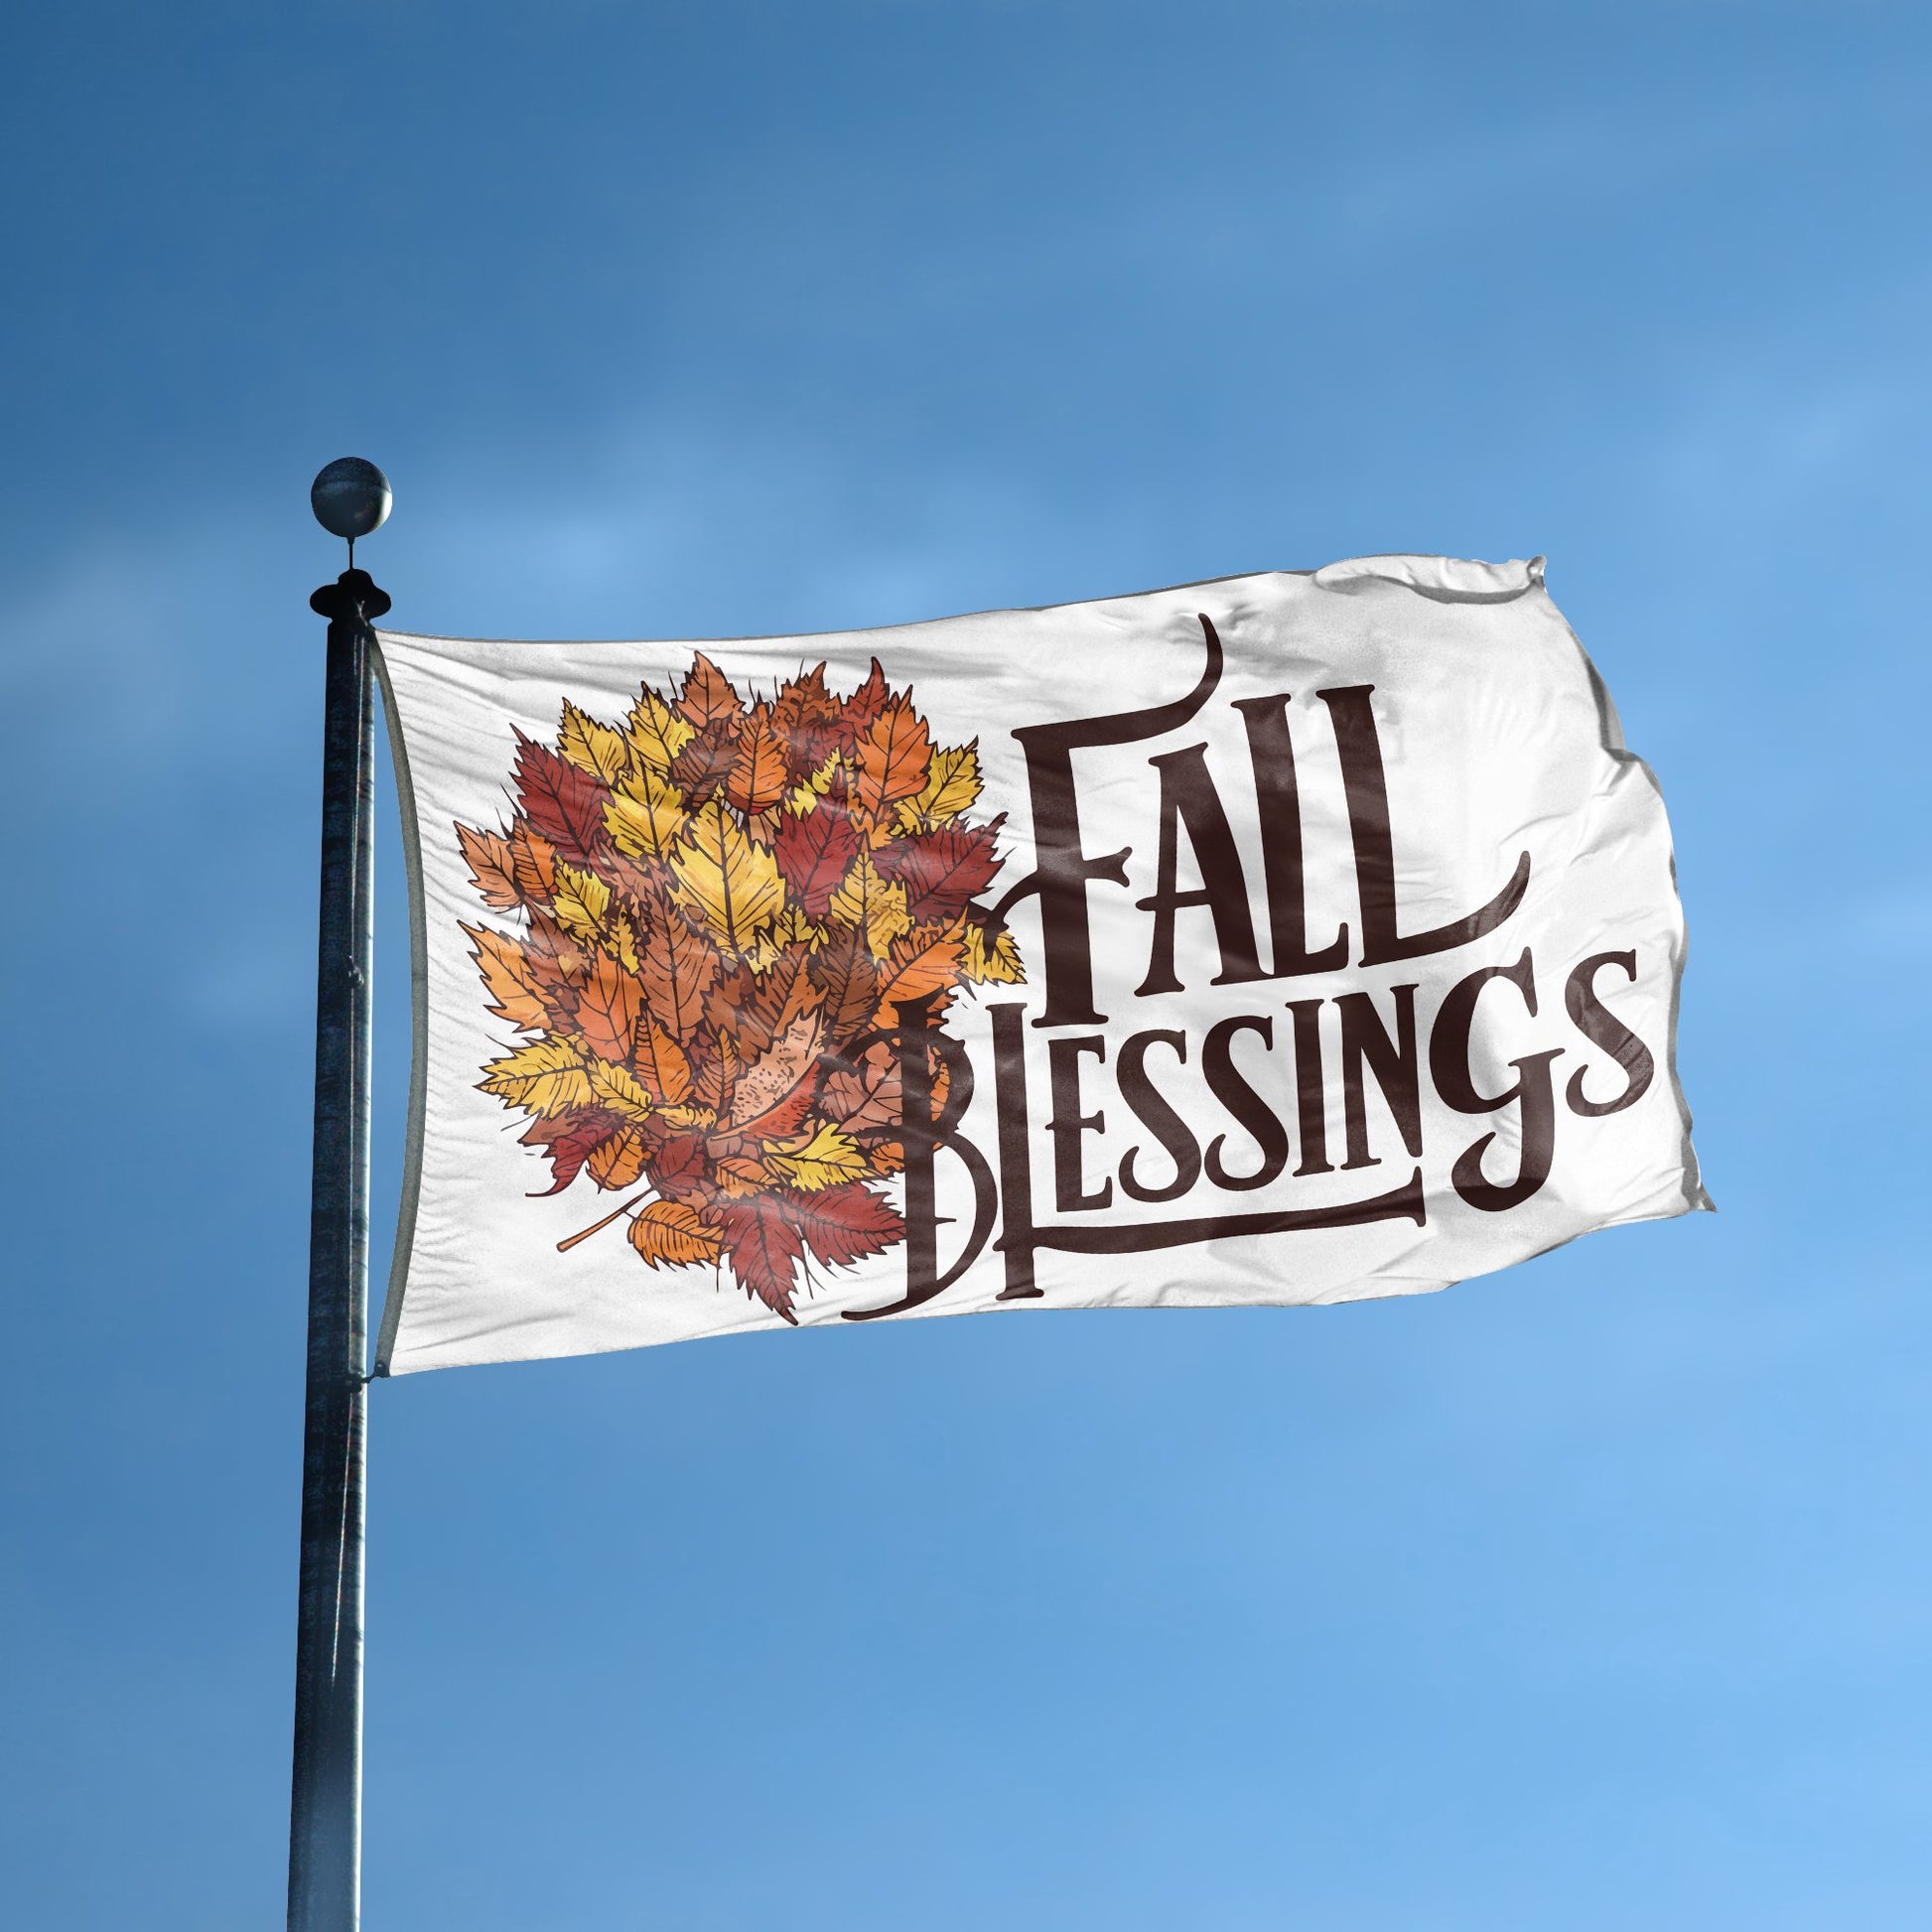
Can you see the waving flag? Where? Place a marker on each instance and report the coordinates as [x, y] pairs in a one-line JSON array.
[[1292, 938]]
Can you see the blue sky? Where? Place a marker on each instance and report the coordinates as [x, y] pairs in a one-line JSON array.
[[1589, 1596]]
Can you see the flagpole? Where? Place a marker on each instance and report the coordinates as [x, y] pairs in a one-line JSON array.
[[351, 499]]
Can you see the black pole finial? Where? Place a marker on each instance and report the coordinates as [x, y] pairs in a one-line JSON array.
[[350, 497]]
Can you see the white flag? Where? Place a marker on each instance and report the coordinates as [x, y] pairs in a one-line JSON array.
[[1290, 938]]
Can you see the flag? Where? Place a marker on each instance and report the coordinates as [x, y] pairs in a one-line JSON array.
[[1290, 938]]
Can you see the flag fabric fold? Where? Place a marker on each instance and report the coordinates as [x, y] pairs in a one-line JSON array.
[[1288, 939]]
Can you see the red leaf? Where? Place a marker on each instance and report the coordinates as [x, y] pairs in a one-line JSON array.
[[865, 704], [765, 1249], [568, 1142], [813, 853], [845, 1225], [565, 804], [941, 869]]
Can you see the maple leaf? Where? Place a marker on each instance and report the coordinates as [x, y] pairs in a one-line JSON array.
[[764, 1249], [758, 772], [891, 757], [592, 747], [941, 869], [644, 814], [814, 852], [608, 1008], [668, 1234], [845, 1225], [822, 1159], [657, 733], [516, 995], [708, 697], [730, 883], [548, 1077], [565, 804], [568, 1142], [492, 871]]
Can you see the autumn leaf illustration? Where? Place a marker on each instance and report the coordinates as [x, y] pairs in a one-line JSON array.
[[715, 905]]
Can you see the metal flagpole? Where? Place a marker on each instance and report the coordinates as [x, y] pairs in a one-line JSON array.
[[351, 499]]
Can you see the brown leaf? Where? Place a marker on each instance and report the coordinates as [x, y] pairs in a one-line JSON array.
[[708, 697], [679, 965], [844, 972]]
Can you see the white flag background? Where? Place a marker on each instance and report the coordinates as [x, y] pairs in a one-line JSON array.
[[1290, 938]]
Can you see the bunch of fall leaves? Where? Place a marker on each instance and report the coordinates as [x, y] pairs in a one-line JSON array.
[[724, 903]]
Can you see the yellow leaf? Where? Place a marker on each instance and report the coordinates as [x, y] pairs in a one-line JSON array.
[[616, 1088], [682, 1114], [657, 734], [644, 814], [506, 972], [581, 901], [670, 1235], [951, 785], [1000, 961], [548, 1077], [804, 795], [790, 930], [820, 1160], [865, 900], [592, 747], [623, 942], [732, 883]]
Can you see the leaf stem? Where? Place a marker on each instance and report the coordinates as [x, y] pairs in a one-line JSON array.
[[598, 1227]]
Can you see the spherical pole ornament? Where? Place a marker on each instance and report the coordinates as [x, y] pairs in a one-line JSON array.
[[350, 497]]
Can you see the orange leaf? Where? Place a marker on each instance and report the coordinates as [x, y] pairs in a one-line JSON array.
[[508, 972], [534, 860], [492, 869], [758, 774], [669, 1234], [772, 1075], [662, 1064], [925, 960], [620, 1161], [892, 757], [679, 965], [608, 1010]]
